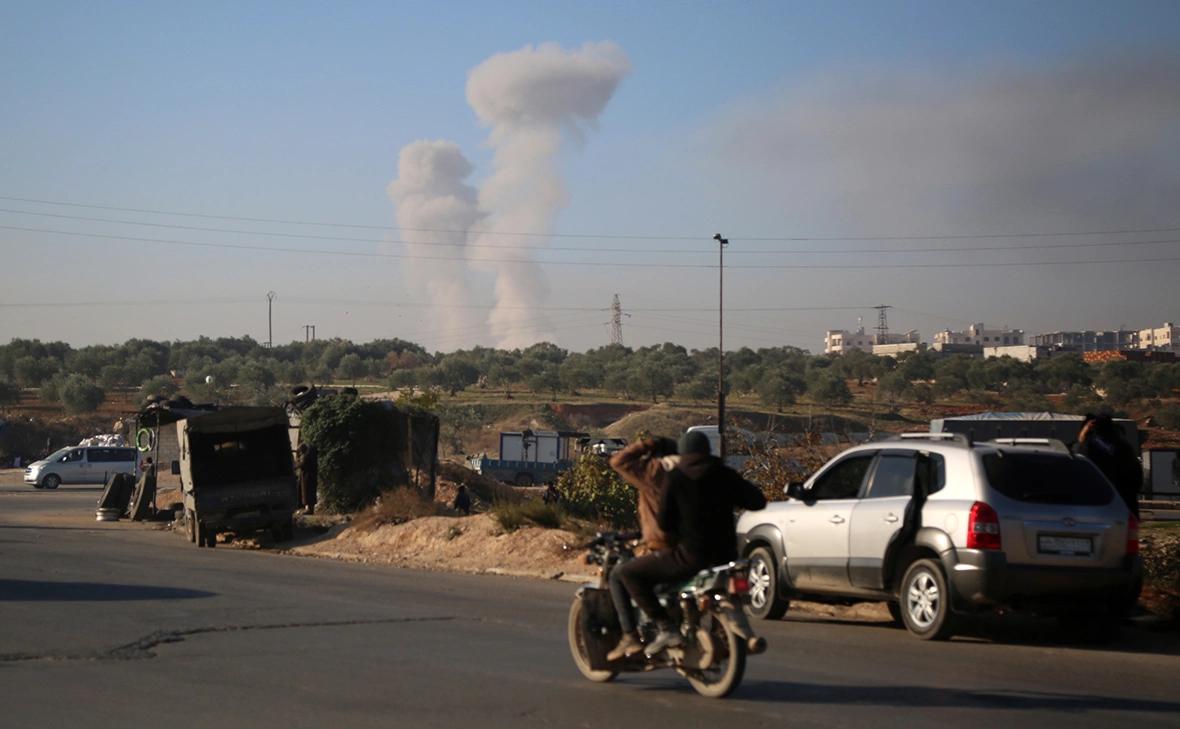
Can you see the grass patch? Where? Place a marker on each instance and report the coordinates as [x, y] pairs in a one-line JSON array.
[[514, 515], [397, 507], [1164, 526]]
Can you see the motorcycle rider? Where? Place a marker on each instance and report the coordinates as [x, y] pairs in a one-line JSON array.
[[696, 511], [645, 465]]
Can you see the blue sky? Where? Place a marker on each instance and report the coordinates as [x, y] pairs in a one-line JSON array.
[[298, 111]]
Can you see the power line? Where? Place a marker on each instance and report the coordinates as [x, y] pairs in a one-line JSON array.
[[596, 264], [603, 236], [590, 249]]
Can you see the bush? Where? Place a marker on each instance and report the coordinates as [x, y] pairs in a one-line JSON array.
[[354, 440], [80, 395], [399, 506], [514, 515], [159, 385], [1169, 417], [591, 489]]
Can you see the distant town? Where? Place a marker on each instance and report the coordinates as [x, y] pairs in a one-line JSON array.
[[1159, 344]]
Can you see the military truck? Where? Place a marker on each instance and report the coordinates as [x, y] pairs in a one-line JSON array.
[[236, 473]]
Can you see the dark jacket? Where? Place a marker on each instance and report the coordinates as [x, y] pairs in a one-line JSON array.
[[697, 509], [1118, 463]]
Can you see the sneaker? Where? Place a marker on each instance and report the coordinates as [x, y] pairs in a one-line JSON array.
[[668, 638], [628, 646]]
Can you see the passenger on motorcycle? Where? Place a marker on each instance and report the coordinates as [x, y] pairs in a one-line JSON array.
[[644, 464], [696, 512]]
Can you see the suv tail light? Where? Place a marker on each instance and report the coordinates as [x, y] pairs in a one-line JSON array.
[[983, 527], [1132, 535]]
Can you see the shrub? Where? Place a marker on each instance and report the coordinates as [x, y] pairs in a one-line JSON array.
[[1169, 417], [354, 440], [397, 506], [9, 393], [158, 385], [513, 515], [591, 489], [80, 395]]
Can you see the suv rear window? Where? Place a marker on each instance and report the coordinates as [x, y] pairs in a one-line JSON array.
[[1047, 478]]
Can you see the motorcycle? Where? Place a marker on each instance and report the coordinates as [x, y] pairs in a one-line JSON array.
[[707, 607]]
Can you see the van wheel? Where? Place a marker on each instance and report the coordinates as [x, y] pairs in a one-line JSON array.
[[51, 481], [765, 602], [925, 601]]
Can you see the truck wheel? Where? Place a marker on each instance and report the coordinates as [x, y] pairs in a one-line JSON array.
[[765, 602], [925, 601]]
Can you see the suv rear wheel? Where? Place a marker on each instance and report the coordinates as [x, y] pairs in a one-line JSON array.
[[765, 602], [925, 601]]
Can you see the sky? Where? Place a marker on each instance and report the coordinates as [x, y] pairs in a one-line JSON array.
[[463, 174]]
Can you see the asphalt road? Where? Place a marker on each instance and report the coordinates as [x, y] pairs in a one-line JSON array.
[[125, 625]]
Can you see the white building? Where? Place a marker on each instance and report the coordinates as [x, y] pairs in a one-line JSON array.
[[839, 341], [978, 334], [1022, 352], [1165, 338]]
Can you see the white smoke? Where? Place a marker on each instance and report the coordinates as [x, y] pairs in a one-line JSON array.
[[432, 197], [533, 100]]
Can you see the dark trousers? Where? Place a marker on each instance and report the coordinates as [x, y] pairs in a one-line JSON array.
[[640, 576]]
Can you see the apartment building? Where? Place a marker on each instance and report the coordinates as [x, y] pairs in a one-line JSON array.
[[839, 341], [981, 335], [1162, 339], [1087, 341]]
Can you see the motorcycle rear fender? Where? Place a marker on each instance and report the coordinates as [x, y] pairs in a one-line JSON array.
[[734, 619]]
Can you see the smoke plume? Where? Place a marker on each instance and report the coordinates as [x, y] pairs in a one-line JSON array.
[[533, 100], [432, 197]]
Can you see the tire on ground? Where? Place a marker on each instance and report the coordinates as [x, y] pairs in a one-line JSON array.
[[765, 603]]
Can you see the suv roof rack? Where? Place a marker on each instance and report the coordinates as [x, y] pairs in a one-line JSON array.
[[953, 437], [1052, 443]]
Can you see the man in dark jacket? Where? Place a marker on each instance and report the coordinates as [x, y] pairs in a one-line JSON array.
[[1101, 442], [696, 512]]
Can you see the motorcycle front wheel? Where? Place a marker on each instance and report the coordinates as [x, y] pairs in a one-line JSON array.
[[578, 645], [725, 673]]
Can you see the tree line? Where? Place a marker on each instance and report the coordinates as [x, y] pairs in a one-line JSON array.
[[242, 369]]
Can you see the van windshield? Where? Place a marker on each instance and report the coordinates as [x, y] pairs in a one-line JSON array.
[[1047, 478]]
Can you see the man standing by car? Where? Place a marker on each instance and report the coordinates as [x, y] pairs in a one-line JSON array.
[[696, 512], [1100, 441]]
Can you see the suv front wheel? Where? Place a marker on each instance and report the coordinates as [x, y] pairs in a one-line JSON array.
[[925, 601], [765, 602]]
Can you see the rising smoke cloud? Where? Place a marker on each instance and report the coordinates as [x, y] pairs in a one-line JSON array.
[[533, 100], [436, 206]]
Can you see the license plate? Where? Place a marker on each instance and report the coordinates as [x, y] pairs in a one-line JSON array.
[[1064, 545]]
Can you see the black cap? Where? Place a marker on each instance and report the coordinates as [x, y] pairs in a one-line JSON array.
[[694, 441]]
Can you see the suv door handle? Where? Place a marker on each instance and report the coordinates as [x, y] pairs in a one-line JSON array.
[[891, 518], [836, 519]]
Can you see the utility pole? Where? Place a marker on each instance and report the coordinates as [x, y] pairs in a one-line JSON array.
[[270, 332], [616, 322], [721, 243]]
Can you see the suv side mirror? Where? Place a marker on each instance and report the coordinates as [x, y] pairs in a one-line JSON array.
[[794, 490], [176, 468]]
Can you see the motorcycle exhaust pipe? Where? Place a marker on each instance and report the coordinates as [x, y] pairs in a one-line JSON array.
[[756, 645]]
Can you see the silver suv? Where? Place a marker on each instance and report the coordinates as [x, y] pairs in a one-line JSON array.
[[937, 526]]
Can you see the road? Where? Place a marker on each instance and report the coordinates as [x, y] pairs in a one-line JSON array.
[[126, 625]]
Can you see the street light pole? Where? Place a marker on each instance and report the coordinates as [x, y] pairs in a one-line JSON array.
[[270, 330], [721, 243]]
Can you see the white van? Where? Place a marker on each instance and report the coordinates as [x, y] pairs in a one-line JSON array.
[[81, 465]]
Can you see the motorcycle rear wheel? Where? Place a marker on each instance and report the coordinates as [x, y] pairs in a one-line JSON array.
[[719, 680], [578, 650]]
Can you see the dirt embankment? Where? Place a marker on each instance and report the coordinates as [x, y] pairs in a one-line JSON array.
[[462, 544]]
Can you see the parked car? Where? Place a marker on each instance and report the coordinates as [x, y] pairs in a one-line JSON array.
[[938, 526], [80, 465]]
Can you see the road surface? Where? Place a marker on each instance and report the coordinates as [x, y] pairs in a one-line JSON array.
[[126, 625]]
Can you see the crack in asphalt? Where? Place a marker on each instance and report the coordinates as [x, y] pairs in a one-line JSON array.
[[141, 649]]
